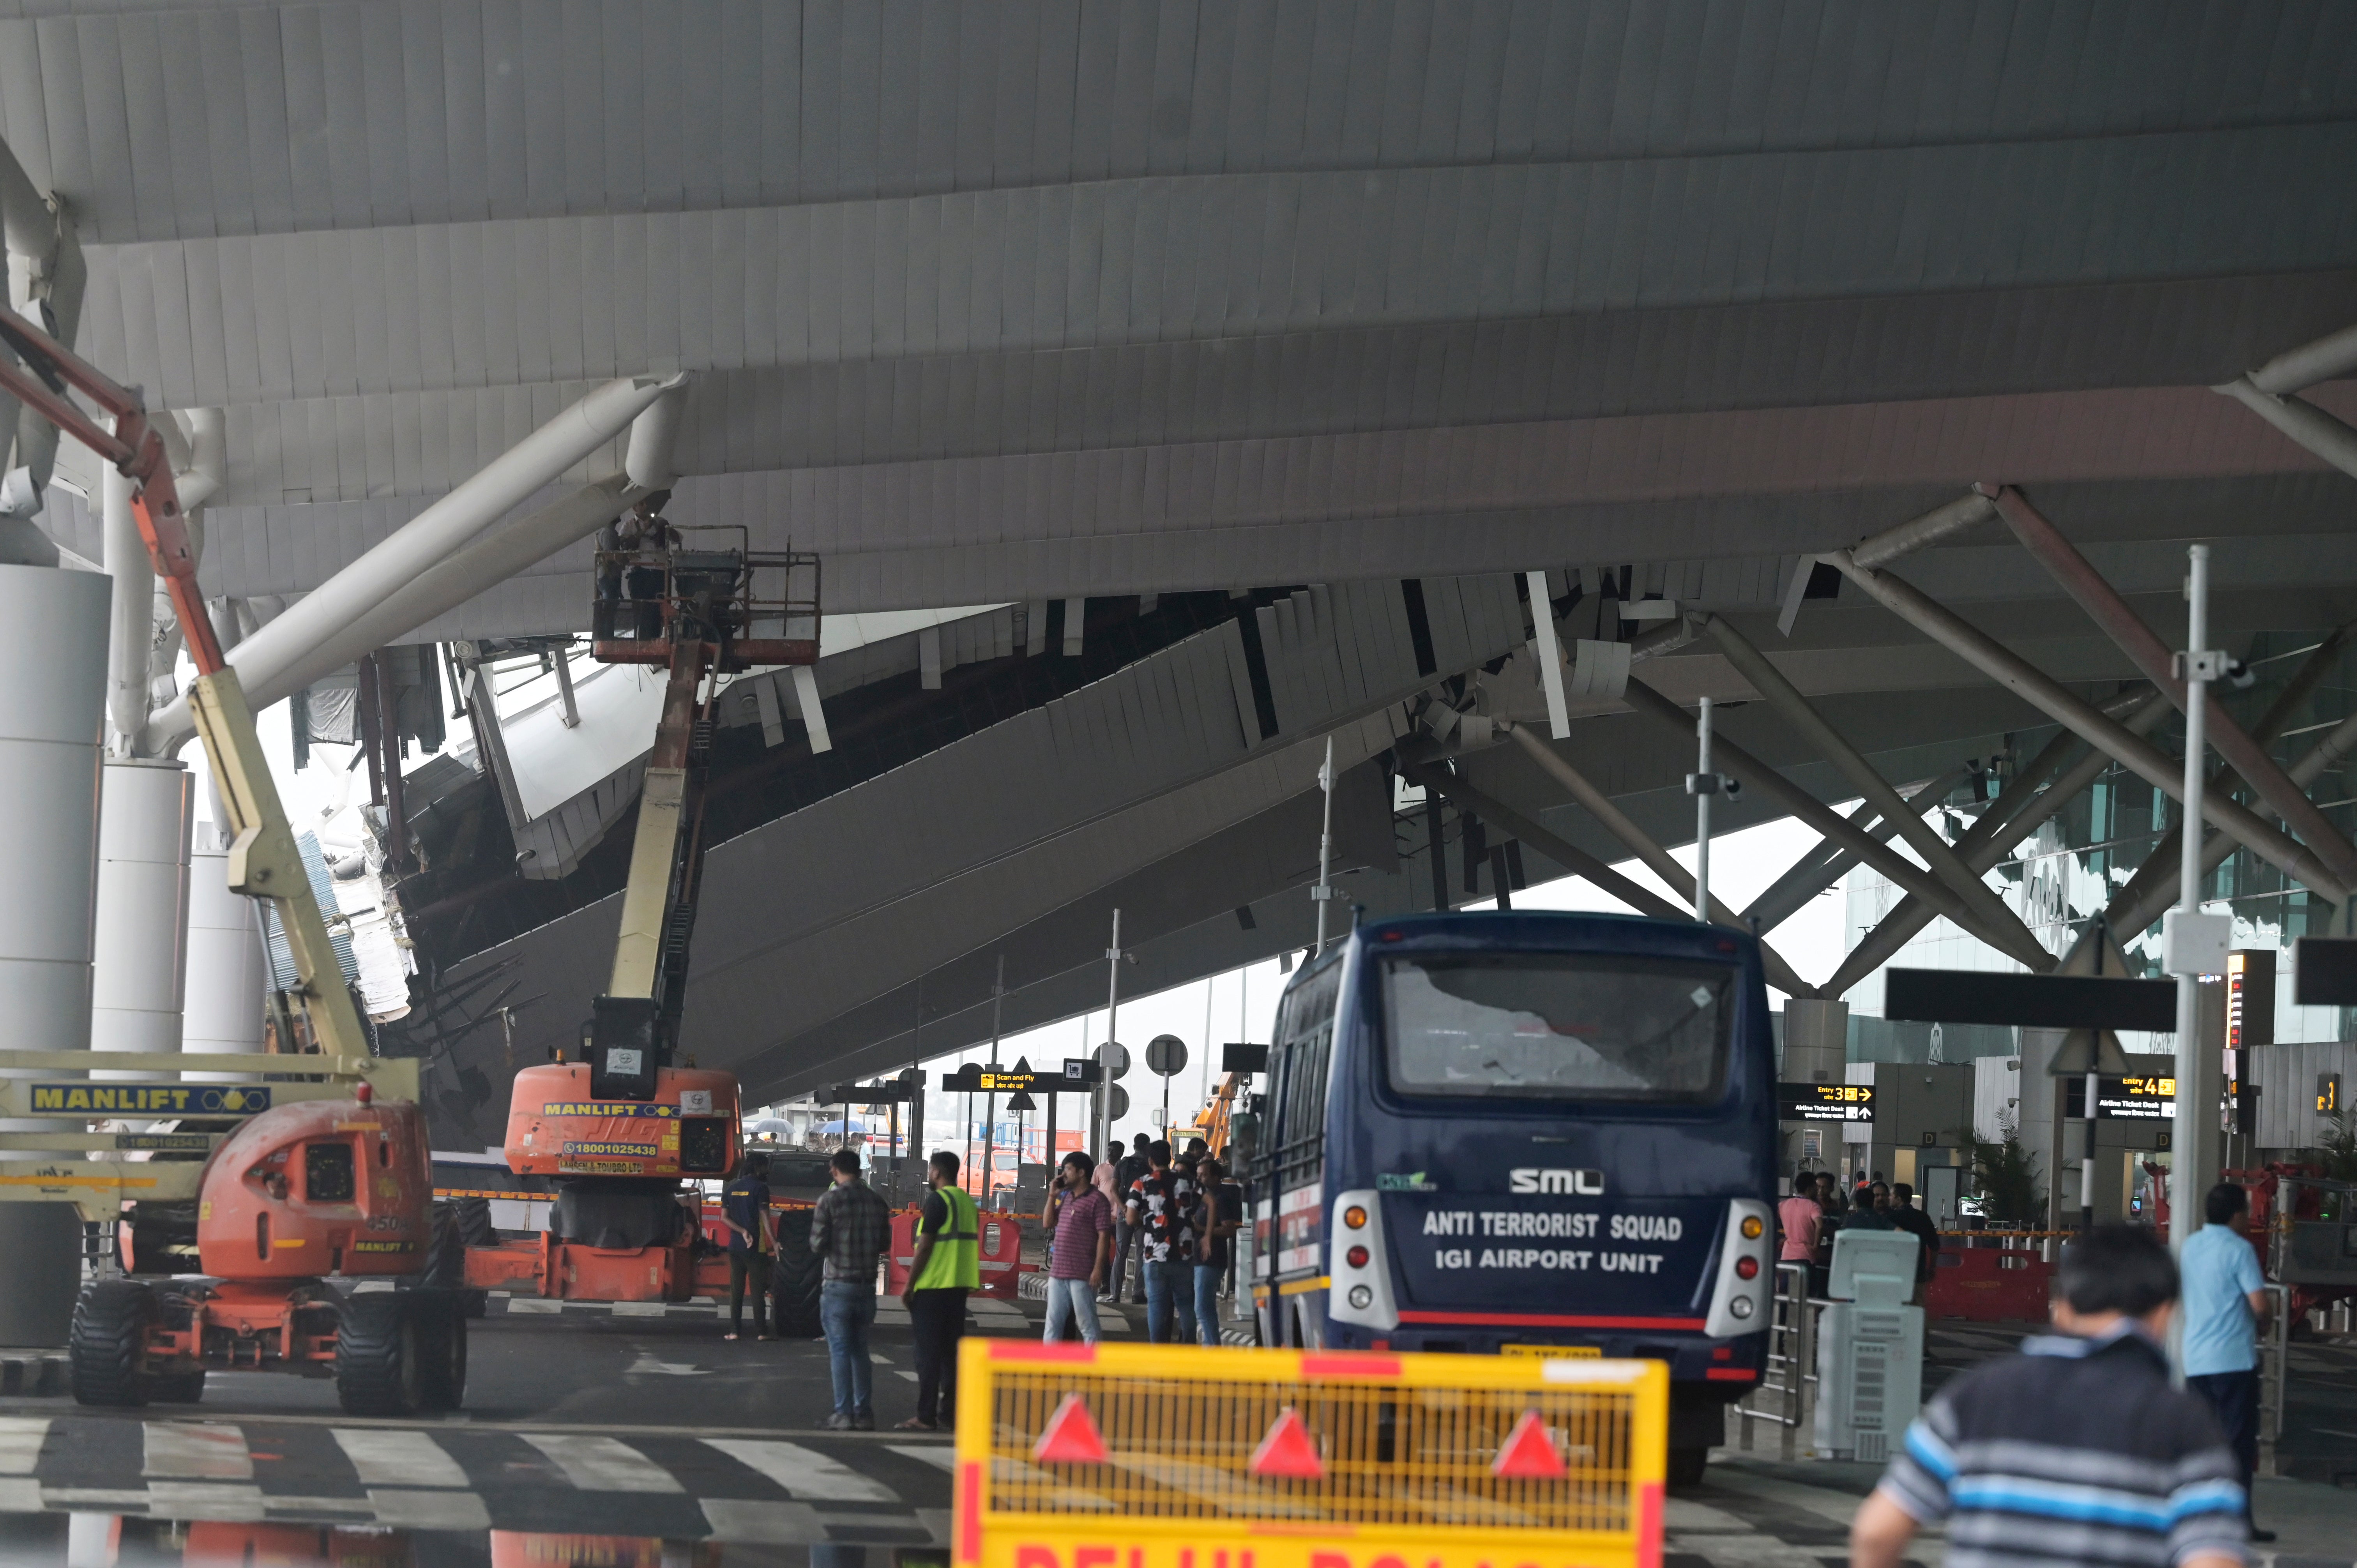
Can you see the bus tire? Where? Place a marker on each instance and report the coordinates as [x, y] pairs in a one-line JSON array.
[[1686, 1466]]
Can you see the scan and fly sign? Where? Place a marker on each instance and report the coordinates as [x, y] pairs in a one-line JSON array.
[[96, 1100]]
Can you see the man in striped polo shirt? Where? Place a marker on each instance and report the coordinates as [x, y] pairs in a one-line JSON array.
[[2076, 1451]]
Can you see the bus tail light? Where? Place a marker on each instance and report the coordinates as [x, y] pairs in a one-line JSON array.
[[1360, 1291], [1739, 1298]]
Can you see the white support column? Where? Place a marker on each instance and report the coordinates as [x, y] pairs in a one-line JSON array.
[[138, 974], [53, 627], [228, 971]]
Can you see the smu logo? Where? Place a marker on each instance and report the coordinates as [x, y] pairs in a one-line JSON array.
[[1530, 1178]]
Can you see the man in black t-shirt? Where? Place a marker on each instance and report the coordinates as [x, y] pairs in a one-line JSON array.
[[1918, 1224], [752, 1238], [1218, 1215], [1126, 1173]]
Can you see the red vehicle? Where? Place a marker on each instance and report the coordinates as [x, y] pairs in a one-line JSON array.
[[299, 1194]]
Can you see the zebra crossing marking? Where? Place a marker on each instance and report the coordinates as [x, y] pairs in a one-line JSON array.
[[186, 1450], [382, 1457], [804, 1472], [941, 1455], [603, 1464], [21, 1437], [415, 1510], [749, 1522]]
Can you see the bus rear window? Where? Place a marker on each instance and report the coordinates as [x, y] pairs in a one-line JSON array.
[[1556, 1026]]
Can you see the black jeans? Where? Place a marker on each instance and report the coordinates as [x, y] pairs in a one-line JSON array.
[[2234, 1397], [754, 1266], [937, 1321]]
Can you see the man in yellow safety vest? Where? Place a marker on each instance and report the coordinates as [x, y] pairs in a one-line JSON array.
[[946, 1265]]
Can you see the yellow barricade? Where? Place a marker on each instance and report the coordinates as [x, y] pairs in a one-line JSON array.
[[1180, 1457]]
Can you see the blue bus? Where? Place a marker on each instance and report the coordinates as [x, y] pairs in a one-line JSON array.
[[1529, 1134]]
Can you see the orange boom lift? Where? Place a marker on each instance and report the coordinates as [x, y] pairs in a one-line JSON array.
[[620, 1126], [302, 1192]]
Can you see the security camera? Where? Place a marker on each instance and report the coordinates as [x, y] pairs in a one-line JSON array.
[[1733, 787]]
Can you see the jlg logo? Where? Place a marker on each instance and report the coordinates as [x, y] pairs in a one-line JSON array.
[[1530, 1178]]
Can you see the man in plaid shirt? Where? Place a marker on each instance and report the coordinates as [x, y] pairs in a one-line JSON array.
[[849, 1229]]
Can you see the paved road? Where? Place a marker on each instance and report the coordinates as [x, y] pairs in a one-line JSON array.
[[586, 1420]]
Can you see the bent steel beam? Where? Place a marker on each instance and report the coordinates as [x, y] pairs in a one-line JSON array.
[[2143, 901], [2302, 421], [1562, 851], [2017, 811], [1923, 532], [2163, 864], [1828, 822], [265, 659], [1645, 847], [2328, 358], [2103, 604], [437, 590], [2141, 758], [1822, 738], [1817, 870]]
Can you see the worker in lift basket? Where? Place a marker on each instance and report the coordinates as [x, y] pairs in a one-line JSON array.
[[2076, 1450]]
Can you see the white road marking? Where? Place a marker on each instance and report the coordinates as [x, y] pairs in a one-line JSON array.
[[533, 1303], [430, 1510], [20, 1494], [196, 1451], [803, 1471], [602, 1464], [934, 1454], [383, 1457], [749, 1522], [642, 1308], [912, 1376], [647, 1366], [20, 1443], [200, 1500]]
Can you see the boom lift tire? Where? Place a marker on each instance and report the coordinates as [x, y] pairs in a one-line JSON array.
[[795, 1276], [379, 1363], [107, 1353], [176, 1387], [441, 1320], [445, 1257]]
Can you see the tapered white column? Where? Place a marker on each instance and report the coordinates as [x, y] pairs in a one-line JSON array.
[[53, 628], [227, 970]]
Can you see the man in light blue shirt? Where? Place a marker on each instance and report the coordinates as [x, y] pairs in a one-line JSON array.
[[2225, 1305]]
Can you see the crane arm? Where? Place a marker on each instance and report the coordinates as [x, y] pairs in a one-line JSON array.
[[264, 860]]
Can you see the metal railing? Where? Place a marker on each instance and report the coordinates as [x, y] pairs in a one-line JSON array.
[[2274, 1347], [1072, 1452], [1787, 1393]]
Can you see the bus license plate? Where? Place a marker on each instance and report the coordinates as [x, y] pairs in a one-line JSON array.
[[1555, 1352]]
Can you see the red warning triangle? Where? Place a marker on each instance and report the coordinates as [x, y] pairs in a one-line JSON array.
[[1070, 1436], [1528, 1453], [1287, 1452]]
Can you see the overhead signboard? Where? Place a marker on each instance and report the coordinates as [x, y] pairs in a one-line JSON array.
[[2029, 1001], [1244, 1058], [2134, 1098], [1825, 1101]]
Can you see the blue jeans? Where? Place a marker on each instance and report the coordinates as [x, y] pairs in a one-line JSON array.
[[1168, 1290], [1207, 1301], [1076, 1299], [847, 1309]]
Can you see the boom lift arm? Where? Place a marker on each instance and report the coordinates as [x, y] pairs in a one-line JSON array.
[[264, 862]]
